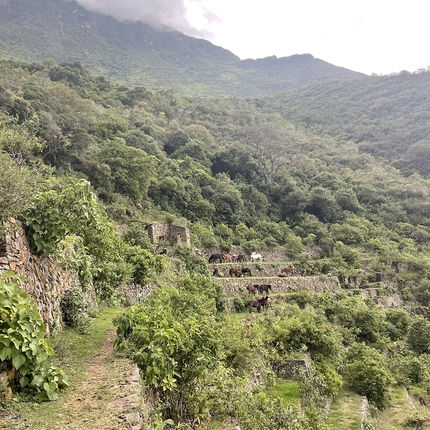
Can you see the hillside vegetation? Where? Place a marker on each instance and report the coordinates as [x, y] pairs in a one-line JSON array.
[[137, 54], [87, 163], [386, 116]]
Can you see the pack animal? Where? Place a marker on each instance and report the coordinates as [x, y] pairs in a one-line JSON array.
[[215, 258], [217, 272], [235, 272], [258, 304], [241, 258], [288, 271], [256, 257], [227, 258], [246, 271], [252, 289], [265, 288]]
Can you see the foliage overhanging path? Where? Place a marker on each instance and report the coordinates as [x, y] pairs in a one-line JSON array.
[[104, 389]]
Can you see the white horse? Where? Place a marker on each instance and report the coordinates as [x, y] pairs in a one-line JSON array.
[[256, 257]]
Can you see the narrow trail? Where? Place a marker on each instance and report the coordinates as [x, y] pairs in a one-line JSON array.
[[106, 396]]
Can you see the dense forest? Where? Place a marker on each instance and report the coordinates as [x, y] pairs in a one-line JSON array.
[[88, 163], [386, 116]]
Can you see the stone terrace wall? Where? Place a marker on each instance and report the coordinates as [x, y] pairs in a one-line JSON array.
[[289, 368], [315, 284], [44, 280]]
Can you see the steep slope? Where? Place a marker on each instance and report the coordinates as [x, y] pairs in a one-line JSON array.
[[137, 54], [387, 116]]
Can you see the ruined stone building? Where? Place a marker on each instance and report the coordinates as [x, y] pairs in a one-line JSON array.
[[174, 234]]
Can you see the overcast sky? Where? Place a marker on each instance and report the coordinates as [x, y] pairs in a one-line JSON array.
[[369, 36]]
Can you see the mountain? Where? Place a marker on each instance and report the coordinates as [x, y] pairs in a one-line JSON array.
[[386, 116], [137, 54]]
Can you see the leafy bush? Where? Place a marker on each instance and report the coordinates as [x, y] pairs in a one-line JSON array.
[[23, 343], [419, 335], [174, 338], [239, 303], [367, 374], [193, 263], [96, 251], [74, 308]]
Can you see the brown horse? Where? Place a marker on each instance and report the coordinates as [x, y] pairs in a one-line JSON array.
[[257, 304], [215, 258], [227, 258], [252, 289], [269, 302], [288, 271], [241, 258], [235, 272], [217, 272]]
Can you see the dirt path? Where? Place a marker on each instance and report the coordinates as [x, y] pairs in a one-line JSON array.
[[106, 396]]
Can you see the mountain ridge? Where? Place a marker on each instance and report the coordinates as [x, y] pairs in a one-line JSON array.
[[135, 53]]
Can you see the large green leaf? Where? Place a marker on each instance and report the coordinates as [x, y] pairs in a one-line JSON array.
[[5, 353], [18, 360]]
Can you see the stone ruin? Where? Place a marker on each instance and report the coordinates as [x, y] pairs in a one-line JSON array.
[[289, 368], [174, 234]]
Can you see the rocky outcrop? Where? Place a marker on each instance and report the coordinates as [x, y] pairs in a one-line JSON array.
[[43, 278]]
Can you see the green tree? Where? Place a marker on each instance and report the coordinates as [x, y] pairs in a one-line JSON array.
[[73, 210], [131, 168], [419, 335], [303, 330], [366, 373]]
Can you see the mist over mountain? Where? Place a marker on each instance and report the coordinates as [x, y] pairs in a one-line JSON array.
[[157, 13], [136, 53]]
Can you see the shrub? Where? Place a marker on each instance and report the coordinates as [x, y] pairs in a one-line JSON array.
[[367, 374], [23, 344], [74, 306], [239, 304]]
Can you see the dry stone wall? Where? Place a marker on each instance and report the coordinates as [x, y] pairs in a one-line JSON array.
[[314, 284], [44, 280]]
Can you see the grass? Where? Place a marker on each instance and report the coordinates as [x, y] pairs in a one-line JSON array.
[[397, 411], [287, 391], [345, 411]]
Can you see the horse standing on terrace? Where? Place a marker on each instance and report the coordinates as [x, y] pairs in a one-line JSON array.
[[246, 271], [256, 257], [252, 289], [215, 258], [288, 271], [257, 304], [234, 271], [217, 272], [264, 288]]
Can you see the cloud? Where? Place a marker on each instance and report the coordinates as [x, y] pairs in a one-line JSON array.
[[170, 13]]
